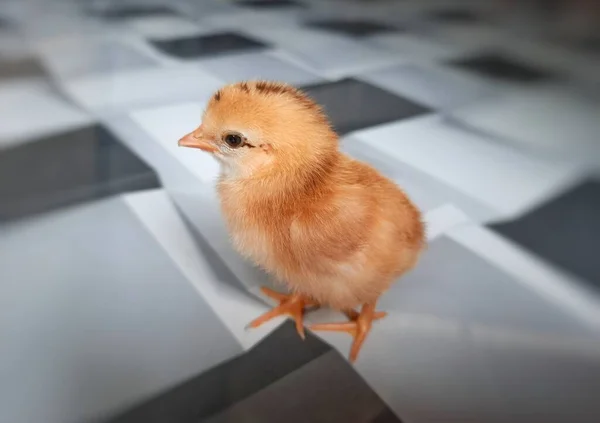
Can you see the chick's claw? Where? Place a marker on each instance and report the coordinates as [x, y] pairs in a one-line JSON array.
[[293, 304], [359, 326]]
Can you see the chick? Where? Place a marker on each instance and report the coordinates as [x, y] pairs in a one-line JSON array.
[[331, 229]]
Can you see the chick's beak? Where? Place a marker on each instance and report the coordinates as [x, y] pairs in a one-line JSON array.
[[196, 139]]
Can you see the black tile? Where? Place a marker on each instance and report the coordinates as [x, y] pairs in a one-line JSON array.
[[6, 23], [208, 45], [326, 390], [68, 168], [269, 4], [278, 355], [454, 16], [591, 44], [565, 231], [498, 66], [21, 68], [386, 416], [353, 28], [353, 104], [133, 11]]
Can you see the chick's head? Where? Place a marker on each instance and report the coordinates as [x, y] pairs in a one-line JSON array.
[[257, 127]]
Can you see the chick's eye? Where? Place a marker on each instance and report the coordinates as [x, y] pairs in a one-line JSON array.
[[233, 140]]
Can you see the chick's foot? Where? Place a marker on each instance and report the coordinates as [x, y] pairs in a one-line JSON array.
[[293, 304], [359, 326]]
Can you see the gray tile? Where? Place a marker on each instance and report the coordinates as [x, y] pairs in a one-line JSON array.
[[428, 192], [454, 284], [323, 391], [5, 23], [431, 85], [103, 319], [454, 15], [208, 45], [132, 11], [213, 391], [83, 59], [247, 66], [498, 66], [564, 231], [68, 168], [20, 68], [542, 385], [352, 28], [353, 104], [269, 4], [386, 416]]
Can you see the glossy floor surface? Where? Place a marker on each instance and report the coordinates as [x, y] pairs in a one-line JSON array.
[[117, 279]]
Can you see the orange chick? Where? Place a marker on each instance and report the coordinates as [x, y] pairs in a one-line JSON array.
[[331, 229]]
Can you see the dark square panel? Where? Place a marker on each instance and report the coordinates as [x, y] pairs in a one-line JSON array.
[[280, 353], [386, 416], [353, 104], [134, 11], [454, 16], [68, 168], [591, 44], [293, 376], [269, 4], [21, 68], [353, 28], [565, 231], [498, 66], [5, 23], [208, 45]]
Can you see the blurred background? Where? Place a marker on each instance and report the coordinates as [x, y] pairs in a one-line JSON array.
[[121, 299]]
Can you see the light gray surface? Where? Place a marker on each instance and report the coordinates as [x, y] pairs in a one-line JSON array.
[[427, 192], [95, 316], [249, 66], [75, 57], [430, 84], [453, 283]]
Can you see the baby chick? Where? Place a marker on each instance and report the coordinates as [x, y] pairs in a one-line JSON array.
[[331, 229]]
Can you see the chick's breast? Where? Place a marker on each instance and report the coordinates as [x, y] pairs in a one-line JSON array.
[[343, 246]]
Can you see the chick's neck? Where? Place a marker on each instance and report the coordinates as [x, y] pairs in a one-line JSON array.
[[294, 177]]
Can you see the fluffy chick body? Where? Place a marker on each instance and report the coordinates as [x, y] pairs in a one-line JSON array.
[[325, 225], [342, 243]]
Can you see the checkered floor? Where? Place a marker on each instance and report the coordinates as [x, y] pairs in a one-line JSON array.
[[117, 280]]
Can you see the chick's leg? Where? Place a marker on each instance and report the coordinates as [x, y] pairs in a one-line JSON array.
[[292, 304], [359, 326]]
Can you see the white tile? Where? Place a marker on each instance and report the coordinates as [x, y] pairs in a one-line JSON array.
[[248, 66], [130, 90], [202, 209], [505, 179], [31, 109], [157, 27], [540, 277], [432, 85], [328, 55], [105, 310], [415, 48], [429, 193], [235, 309], [70, 57], [472, 37], [546, 120], [166, 125], [252, 19], [442, 219], [13, 46]]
